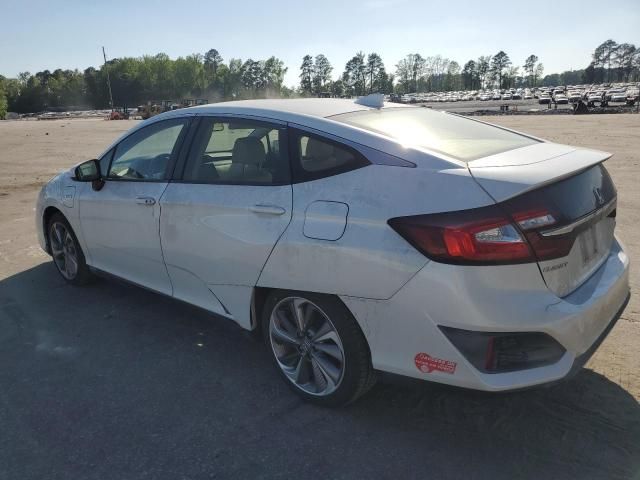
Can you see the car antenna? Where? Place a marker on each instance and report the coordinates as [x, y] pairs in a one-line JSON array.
[[373, 100]]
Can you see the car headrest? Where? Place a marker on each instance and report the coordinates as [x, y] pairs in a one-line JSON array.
[[248, 151]]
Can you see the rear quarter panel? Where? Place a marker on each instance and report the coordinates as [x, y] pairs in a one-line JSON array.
[[369, 260]]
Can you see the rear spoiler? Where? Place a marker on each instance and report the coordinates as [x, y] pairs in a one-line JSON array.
[[503, 178]]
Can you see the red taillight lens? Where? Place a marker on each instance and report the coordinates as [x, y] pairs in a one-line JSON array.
[[518, 230], [532, 222], [478, 236]]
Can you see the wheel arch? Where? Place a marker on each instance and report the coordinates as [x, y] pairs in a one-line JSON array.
[[259, 299], [49, 212]]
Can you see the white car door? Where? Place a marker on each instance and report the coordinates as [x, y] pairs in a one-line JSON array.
[[224, 213], [120, 222]]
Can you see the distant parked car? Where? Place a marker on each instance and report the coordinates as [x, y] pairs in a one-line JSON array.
[[516, 96], [506, 96], [544, 98], [560, 98], [574, 96], [619, 96], [595, 97]]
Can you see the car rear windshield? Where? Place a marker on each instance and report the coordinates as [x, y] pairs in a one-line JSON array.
[[455, 136]]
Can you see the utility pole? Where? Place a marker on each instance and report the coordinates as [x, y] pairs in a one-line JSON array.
[[106, 69]]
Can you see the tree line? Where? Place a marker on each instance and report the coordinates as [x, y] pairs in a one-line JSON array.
[[157, 77], [135, 81]]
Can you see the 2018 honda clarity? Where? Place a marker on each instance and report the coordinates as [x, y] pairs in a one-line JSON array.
[[357, 237]]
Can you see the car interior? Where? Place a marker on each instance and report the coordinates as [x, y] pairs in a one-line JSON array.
[[230, 153], [317, 155]]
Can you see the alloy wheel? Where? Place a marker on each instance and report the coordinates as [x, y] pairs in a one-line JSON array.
[[307, 346], [63, 250]]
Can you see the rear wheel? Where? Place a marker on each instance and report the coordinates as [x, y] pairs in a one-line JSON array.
[[66, 252], [317, 346]]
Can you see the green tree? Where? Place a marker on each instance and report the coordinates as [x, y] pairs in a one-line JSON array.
[[355, 75], [306, 74], [3, 98], [603, 56], [375, 73], [212, 61], [337, 88], [274, 72], [529, 68], [233, 83], [483, 66], [321, 73], [511, 76], [539, 71], [410, 70], [452, 81], [624, 57], [469, 74], [499, 63]]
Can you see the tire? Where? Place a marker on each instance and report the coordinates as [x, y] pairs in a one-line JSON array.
[[327, 362], [66, 251]]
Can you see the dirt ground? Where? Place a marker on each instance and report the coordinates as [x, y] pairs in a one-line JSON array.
[[116, 382]]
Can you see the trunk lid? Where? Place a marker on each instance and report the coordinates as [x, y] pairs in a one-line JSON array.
[[573, 187]]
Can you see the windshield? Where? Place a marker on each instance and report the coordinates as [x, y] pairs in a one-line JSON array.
[[455, 136]]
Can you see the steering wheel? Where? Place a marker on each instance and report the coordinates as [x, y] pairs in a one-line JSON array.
[[158, 164]]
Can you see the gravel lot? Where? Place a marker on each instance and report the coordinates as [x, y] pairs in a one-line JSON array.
[[113, 382]]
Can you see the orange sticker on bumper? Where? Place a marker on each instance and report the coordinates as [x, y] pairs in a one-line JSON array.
[[428, 364]]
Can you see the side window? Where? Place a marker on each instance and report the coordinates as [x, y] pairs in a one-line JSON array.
[[145, 154], [319, 157], [238, 152]]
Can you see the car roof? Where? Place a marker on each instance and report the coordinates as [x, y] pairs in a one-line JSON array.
[[309, 113], [288, 109]]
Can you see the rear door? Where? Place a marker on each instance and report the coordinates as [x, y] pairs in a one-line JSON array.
[[225, 211], [120, 222]]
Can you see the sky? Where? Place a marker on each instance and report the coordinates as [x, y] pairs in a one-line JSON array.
[[38, 35]]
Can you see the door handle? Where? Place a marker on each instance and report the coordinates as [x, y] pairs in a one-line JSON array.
[[267, 209], [146, 200]]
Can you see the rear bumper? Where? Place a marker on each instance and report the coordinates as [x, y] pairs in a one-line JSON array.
[[493, 299], [582, 359]]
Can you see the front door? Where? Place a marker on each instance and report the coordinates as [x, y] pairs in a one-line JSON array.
[[223, 216], [121, 221]]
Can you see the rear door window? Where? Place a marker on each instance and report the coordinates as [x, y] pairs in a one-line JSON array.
[[238, 152], [317, 157]]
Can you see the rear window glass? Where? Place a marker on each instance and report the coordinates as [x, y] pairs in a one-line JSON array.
[[458, 137]]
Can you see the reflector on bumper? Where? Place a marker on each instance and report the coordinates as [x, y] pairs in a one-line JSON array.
[[499, 352]]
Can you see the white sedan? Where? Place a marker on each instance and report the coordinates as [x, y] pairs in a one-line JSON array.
[[357, 237]]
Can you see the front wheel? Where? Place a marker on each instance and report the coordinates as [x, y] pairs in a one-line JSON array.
[[66, 252], [317, 346]]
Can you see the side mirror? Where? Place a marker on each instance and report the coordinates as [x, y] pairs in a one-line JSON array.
[[88, 171]]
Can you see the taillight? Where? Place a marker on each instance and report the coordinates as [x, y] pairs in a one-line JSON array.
[[526, 228], [531, 223], [478, 236]]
